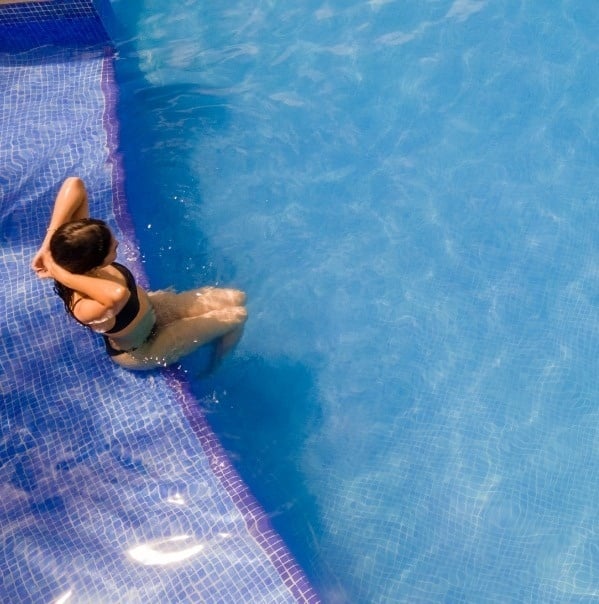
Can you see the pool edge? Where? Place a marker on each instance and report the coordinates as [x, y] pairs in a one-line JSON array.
[[256, 520]]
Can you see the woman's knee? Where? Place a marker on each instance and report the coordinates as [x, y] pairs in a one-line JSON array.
[[223, 296], [237, 297], [242, 314], [233, 315]]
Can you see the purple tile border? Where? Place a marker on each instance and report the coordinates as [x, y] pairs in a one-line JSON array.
[[256, 520], [110, 119]]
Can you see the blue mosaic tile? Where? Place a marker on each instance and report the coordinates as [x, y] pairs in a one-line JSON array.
[[46, 10], [62, 22], [112, 486]]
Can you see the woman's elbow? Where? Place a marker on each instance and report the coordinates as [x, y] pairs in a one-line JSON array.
[[74, 181], [119, 297], [74, 186]]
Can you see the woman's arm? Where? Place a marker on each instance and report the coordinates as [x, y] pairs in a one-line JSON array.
[[100, 295], [71, 204]]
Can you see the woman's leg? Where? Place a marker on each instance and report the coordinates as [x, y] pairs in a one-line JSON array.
[[171, 306], [183, 336]]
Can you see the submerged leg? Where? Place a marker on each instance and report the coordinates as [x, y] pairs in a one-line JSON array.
[[183, 336], [224, 345], [199, 301], [171, 306], [228, 341]]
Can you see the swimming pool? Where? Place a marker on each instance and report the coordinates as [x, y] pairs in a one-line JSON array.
[[113, 487], [408, 192]]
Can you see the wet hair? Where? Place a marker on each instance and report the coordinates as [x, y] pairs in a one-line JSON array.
[[79, 246]]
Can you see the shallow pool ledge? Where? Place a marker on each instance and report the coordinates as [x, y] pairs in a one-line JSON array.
[[112, 486]]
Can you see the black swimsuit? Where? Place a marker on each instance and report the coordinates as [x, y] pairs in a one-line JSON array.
[[125, 316], [130, 310]]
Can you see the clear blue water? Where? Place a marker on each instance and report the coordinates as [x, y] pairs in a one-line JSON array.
[[408, 193]]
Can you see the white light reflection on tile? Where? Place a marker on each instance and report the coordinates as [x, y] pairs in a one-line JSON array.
[[64, 598], [177, 499], [165, 551]]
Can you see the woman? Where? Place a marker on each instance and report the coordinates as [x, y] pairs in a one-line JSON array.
[[141, 330]]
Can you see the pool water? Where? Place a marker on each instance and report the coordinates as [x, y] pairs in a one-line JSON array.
[[408, 194]]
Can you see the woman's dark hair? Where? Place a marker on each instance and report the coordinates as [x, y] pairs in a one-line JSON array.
[[79, 246]]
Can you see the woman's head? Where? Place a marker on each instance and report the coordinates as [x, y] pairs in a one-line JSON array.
[[81, 245]]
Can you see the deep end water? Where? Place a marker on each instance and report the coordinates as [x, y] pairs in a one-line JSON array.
[[408, 194]]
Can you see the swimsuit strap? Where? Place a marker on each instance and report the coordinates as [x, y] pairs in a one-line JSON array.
[[129, 278], [129, 312], [72, 308]]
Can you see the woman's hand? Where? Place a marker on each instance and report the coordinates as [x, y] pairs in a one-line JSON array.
[[38, 264], [42, 264], [71, 204]]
